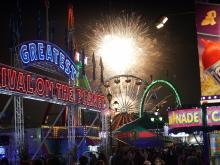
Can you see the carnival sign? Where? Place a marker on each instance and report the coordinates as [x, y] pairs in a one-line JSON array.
[[213, 115], [185, 118], [42, 52], [208, 35], [29, 85]]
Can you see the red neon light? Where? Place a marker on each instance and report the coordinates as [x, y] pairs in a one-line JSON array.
[[85, 97], [58, 90], [4, 84], [40, 86], [92, 99], [21, 83], [11, 79], [99, 102], [89, 98], [70, 16], [27, 83], [95, 100], [124, 135], [144, 134], [79, 95], [49, 85], [30, 89], [65, 92], [71, 94]]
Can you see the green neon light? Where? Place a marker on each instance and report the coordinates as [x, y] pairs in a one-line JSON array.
[[164, 82]]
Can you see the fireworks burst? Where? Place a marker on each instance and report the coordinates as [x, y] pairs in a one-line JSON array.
[[122, 41]]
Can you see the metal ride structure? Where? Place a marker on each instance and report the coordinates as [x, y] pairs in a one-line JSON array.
[[157, 86], [129, 91], [126, 91], [18, 118]]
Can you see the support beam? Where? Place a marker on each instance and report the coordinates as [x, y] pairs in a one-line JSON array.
[[46, 114], [48, 132], [71, 128], [97, 116], [19, 126], [6, 106]]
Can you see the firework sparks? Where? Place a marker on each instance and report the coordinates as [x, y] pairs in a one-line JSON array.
[[122, 41]]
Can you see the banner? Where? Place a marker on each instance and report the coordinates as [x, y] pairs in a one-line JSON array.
[[15, 81], [208, 35], [185, 118]]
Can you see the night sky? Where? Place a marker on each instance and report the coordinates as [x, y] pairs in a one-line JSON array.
[[176, 42]]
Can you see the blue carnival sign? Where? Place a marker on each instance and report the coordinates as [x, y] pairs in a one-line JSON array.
[[41, 51]]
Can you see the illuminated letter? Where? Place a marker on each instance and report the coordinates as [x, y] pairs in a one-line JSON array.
[[49, 55], [95, 100], [11, 79], [79, 95], [21, 83], [55, 55], [189, 117], [62, 58], [24, 55], [30, 90], [215, 116], [85, 97], [196, 117], [71, 96], [67, 68], [41, 51], [65, 91], [49, 88], [40, 86], [32, 51], [92, 99], [4, 77], [99, 102], [183, 116], [89, 98], [178, 119], [73, 72], [58, 88]]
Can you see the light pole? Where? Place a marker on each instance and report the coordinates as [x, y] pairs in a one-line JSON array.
[[157, 119], [109, 97]]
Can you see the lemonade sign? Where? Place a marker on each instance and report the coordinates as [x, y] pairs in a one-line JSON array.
[[185, 118]]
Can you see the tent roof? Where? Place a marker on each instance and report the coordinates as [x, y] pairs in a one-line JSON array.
[[141, 124]]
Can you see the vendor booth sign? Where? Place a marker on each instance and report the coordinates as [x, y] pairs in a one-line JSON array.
[[208, 35], [213, 115], [185, 118]]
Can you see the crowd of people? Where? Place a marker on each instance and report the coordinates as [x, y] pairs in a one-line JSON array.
[[178, 155], [175, 155]]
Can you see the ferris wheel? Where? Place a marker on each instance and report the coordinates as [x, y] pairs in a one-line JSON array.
[[130, 94]]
